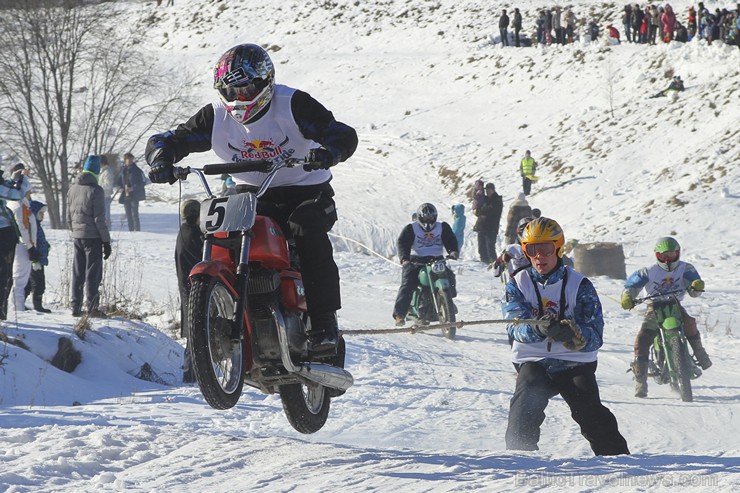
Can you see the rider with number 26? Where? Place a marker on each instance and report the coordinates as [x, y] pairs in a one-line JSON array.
[[255, 119]]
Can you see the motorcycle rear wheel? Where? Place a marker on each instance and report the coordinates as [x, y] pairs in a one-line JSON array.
[[446, 313], [682, 367], [305, 406], [218, 362]]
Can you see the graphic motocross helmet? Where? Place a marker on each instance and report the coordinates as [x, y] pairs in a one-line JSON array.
[[543, 230], [667, 253], [245, 80], [521, 225], [426, 215]]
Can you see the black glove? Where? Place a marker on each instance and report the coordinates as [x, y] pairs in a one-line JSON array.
[[541, 329], [106, 250], [559, 332], [162, 171], [320, 159], [33, 254], [453, 256]]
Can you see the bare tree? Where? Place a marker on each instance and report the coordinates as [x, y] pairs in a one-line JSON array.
[[71, 85]]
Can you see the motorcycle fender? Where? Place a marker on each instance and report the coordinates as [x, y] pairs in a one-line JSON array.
[[213, 268], [441, 284], [672, 323]]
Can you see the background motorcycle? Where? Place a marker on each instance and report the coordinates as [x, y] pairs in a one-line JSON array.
[[247, 309], [670, 359], [432, 298]]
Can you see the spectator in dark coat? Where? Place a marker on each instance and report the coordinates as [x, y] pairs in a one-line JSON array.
[[14, 189], [627, 21], [517, 25], [518, 210], [489, 219], [86, 218], [37, 281], [131, 184], [188, 252], [503, 26]]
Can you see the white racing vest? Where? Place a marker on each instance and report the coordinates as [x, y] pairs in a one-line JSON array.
[[660, 281], [427, 243], [550, 295], [274, 137]]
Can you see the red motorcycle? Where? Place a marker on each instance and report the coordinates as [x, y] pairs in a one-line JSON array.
[[247, 309]]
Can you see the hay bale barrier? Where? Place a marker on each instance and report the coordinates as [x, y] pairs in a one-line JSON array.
[[600, 259]]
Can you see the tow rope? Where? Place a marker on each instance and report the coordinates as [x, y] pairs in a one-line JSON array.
[[423, 327]]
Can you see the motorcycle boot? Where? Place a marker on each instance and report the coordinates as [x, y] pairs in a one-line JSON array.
[[699, 352], [324, 333], [639, 368]]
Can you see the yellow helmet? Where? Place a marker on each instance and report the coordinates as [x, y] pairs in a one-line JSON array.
[[544, 230]]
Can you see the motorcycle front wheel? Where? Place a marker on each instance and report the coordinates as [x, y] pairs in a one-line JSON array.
[[218, 361], [446, 313], [305, 406], [683, 370]]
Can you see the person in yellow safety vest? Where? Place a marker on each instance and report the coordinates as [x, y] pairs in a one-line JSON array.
[[527, 169]]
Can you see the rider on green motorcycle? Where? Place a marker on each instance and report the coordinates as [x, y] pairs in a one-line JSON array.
[[666, 275], [427, 238]]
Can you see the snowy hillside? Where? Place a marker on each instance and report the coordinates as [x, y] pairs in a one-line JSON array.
[[437, 105]]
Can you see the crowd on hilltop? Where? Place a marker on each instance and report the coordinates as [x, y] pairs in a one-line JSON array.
[[646, 24]]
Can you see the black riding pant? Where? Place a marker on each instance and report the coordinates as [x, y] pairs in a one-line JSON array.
[[307, 213], [578, 388]]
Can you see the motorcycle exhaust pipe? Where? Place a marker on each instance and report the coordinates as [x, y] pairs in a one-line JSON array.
[[321, 373]]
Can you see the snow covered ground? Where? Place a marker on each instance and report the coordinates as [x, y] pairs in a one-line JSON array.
[[436, 105]]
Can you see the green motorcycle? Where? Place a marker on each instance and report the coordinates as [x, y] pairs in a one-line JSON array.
[[432, 298], [670, 358]]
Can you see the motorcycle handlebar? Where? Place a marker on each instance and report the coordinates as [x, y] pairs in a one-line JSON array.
[[637, 301], [238, 167]]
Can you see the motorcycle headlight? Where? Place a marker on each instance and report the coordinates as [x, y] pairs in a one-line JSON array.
[[439, 267]]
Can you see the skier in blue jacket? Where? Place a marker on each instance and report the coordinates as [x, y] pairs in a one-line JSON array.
[[559, 355]]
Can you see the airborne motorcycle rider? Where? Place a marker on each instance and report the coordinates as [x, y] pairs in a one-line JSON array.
[[666, 275], [428, 239], [255, 119]]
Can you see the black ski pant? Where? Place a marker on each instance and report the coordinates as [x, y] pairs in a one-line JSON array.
[[8, 240], [307, 213], [87, 272], [578, 388]]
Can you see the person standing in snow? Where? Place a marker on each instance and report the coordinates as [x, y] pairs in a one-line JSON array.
[[107, 182], [131, 183], [558, 356], [518, 209], [86, 219], [517, 25], [26, 252], [188, 252], [503, 26], [527, 170], [255, 119], [458, 224], [37, 282], [14, 189], [668, 274], [487, 224], [428, 239]]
